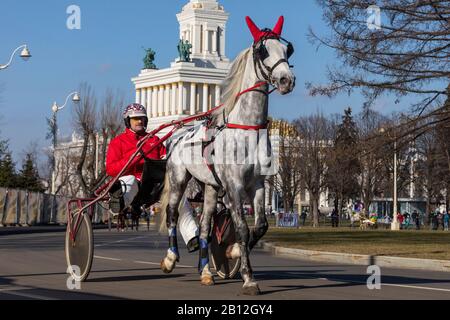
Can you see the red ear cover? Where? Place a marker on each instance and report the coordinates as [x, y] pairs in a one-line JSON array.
[[279, 26], [256, 33]]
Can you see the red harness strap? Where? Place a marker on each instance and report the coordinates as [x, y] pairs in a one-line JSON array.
[[245, 127], [259, 84]]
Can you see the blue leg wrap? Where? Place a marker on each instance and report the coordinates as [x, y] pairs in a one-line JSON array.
[[173, 244], [204, 256]]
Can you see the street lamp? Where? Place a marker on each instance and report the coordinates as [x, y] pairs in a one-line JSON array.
[[55, 108], [25, 55], [395, 224]]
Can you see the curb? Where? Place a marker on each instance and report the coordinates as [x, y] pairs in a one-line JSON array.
[[358, 259]]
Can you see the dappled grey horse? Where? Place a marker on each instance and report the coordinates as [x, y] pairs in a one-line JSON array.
[[230, 152]]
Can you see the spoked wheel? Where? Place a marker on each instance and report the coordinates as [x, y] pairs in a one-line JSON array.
[[79, 253], [223, 237]]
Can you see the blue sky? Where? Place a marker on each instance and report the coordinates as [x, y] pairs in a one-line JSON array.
[[107, 52]]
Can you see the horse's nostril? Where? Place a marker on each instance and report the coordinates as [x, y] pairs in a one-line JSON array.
[[284, 81]]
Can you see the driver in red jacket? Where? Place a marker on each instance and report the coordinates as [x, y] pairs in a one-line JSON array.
[[119, 152]]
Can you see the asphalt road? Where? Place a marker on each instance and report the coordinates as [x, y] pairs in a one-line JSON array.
[[126, 266]]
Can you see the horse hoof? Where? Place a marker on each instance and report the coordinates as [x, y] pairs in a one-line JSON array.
[[164, 267], [207, 280], [251, 291]]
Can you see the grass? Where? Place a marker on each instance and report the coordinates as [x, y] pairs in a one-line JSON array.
[[423, 244]]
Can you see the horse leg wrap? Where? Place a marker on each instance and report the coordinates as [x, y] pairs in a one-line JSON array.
[[206, 277], [204, 255], [173, 243]]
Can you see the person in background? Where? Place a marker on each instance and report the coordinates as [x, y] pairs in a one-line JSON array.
[[446, 219], [334, 218], [400, 219], [303, 217], [416, 217]]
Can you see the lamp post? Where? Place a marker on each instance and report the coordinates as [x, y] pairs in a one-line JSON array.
[[395, 224], [25, 55], [55, 109]]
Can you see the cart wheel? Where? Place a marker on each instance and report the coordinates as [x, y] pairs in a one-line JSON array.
[[79, 254], [226, 268]]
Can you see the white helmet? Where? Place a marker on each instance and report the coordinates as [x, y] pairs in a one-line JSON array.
[[133, 111]]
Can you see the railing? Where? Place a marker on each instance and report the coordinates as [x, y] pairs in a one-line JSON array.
[[22, 207]]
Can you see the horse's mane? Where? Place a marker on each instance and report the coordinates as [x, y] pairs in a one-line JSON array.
[[231, 87]]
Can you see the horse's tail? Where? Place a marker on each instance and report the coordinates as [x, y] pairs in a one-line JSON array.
[[164, 203]]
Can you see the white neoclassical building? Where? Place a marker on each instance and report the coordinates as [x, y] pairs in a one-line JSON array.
[[187, 88]]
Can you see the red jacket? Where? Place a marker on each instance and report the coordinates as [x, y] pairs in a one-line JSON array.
[[123, 146]]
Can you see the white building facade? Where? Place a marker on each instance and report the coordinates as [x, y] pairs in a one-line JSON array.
[[188, 88]]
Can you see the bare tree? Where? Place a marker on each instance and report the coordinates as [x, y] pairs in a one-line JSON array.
[[288, 179], [371, 156], [408, 53], [96, 125], [343, 162], [110, 124], [314, 144], [84, 122], [428, 168], [443, 134]]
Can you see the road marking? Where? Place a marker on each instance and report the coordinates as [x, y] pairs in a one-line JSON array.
[[10, 288], [13, 291], [107, 258], [382, 284], [414, 287], [387, 284], [119, 241], [142, 262], [159, 263]]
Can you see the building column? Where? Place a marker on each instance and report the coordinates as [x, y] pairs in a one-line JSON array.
[[173, 100], [193, 98], [181, 101], [144, 97], [196, 39], [138, 96], [154, 102], [167, 100], [205, 41], [149, 102], [160, 101], [218, 93], [222, 43], [214, 42], [205, 97]]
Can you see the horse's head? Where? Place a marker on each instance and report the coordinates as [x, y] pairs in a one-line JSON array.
[[271, 56]]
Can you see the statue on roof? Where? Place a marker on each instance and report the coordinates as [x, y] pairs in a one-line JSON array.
[[149, 58], [184, 50]]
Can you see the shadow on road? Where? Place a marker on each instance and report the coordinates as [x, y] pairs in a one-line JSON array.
[[10, 291], [135, 278], [346, 279], [63, 273]]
